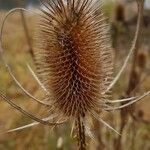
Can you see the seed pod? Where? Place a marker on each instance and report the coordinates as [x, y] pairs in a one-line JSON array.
[[73, 55]]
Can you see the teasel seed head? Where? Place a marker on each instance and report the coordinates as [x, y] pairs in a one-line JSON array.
[[73, 55]]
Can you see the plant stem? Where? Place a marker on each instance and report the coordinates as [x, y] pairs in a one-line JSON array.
[[80, 134], [26, 31], [133, 77]]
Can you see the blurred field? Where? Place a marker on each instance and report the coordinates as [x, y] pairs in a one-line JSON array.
[[44, 138]]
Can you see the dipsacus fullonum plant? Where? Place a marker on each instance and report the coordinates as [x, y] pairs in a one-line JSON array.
[[74, 62]]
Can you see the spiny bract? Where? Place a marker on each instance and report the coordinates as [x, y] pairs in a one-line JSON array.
[[73, 55]]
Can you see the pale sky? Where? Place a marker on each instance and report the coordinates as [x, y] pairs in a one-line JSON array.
[[147, 3]]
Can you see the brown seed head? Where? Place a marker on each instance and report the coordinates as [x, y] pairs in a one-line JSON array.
[[73, 55]]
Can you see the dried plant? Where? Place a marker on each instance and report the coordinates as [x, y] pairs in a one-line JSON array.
[[74, 62], [135, 77], [25, 27]]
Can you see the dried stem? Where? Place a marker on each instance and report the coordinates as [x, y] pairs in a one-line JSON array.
[[25, 27], [80, 134], [140, 4], [27, 33], [14, 105], [124, 112]]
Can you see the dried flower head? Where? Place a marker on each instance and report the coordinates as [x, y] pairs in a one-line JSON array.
[[74, 55]]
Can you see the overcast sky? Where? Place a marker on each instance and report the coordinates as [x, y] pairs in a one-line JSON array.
[[147, 3]]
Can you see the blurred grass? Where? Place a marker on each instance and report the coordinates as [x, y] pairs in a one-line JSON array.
[[108, 7]]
